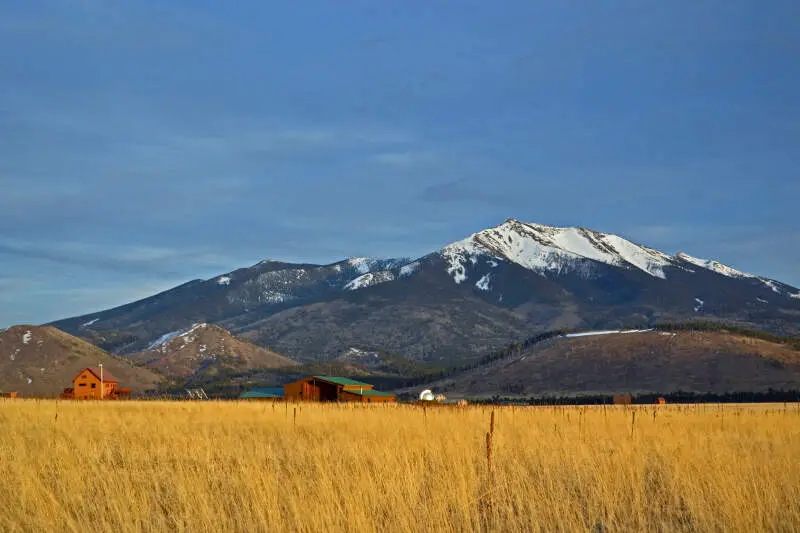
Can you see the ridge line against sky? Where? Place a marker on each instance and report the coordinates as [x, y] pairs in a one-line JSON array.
[[145, 144]]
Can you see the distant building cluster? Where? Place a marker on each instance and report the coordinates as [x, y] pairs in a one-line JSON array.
[[322, 389]]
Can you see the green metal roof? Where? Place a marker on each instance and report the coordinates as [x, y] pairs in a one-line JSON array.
[[269, 392], [369, 392], [347, 382]]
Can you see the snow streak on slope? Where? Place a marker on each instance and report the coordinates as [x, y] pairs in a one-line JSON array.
[[771, 284], [187, 338], [369, 279], [606, 332], [163, 339]]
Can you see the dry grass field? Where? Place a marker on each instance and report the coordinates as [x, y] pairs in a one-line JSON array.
[[249, 467]]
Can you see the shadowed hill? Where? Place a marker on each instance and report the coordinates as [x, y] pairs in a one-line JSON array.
[[654, 361]]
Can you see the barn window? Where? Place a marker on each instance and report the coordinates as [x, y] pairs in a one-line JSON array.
[[81, 384], [93, 385]]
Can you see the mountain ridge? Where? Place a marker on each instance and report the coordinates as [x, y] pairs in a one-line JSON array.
[[471, 296]]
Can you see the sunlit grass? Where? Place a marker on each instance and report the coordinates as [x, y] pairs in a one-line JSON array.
[[235, 466]]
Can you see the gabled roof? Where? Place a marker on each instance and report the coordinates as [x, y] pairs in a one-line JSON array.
[[368, 392], [347, 382], [268, 392], [107, 377]]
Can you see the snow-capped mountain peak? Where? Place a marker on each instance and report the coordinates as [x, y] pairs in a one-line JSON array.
[[552, 249]]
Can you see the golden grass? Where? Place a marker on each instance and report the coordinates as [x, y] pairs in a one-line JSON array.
[[230, 467]]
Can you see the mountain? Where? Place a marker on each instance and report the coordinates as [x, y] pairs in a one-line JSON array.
[[265, 288], [42, 361], [206, 349], [638, 362], [469, 298]]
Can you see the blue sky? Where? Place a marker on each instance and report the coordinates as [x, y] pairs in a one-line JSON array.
[[146, 143]]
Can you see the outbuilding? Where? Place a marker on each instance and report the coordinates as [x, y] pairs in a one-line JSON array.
[[267, 393], [622, 399]]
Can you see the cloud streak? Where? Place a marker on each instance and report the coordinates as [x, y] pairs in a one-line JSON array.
[[122, 259]]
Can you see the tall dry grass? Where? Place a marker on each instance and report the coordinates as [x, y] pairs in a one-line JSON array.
[[214, 467]]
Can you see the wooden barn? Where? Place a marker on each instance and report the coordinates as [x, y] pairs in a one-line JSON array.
[[334, 389], [95, 383]]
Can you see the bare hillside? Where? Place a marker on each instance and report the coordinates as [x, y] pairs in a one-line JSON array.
[[656, 362], [206, 349], [42, 361]]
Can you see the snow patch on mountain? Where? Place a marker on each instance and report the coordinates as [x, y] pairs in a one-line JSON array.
[[166, 337], [369, 279], [483, 283], [771, 284], [27, 337], [699, 306], [714, 266], [407, 270], [643, 258], [362, 264], [459, 253], [224, 280], [606, 332], [354, 354], [187, 336], [274, 297], [89, 323]]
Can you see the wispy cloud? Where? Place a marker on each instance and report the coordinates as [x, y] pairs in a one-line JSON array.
[[116, 258], [29, 302], [407, 159], [461, 191]]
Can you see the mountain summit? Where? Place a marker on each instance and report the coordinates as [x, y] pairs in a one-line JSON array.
[[550, 249], [475, 295]]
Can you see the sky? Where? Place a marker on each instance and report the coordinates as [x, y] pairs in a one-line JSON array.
[[147, 143]]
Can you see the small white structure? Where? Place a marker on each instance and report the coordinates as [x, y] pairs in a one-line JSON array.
[[427, 396]]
